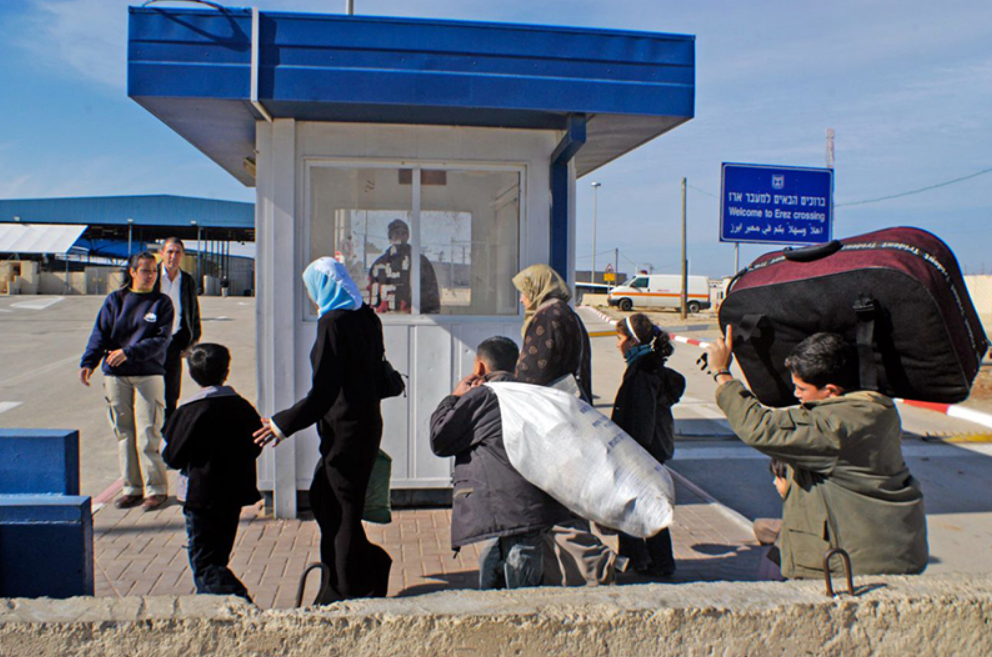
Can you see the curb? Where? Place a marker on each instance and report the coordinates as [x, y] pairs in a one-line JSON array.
[[950, 410]]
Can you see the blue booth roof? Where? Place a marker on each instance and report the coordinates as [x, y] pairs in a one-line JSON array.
[[193, 70]]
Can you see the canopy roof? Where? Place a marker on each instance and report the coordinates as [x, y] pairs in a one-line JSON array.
[[193, 70], [26, 239]]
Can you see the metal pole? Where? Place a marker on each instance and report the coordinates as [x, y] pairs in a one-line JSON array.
[[830, 148], [685, 269], [737, 257], [595, 209], [130, 223], [350, 7], [616, 265]]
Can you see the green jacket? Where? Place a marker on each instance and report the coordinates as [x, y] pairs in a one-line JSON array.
[[850, 486]]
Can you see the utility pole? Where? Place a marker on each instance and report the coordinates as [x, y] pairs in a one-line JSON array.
[[595, 208], [685, 270], [616, 265], [830, 148]]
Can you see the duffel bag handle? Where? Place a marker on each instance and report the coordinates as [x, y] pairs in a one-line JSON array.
[[811, 253]]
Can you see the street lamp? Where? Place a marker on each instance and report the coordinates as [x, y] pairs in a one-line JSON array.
[[199, 279], [595, 208], [130, 225]]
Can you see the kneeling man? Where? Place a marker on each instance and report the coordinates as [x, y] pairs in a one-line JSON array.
[[849, 485]]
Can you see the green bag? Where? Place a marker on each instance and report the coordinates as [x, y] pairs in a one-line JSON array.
[[377, 507]]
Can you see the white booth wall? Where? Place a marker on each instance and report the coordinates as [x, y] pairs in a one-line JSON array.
[[337, 185]]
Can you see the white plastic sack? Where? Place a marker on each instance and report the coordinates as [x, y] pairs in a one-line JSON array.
[[581, 458]]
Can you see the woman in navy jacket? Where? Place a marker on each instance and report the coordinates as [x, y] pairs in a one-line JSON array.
[[131, 334], [344, 404]]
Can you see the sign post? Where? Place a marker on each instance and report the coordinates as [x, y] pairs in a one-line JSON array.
[[769, 204]]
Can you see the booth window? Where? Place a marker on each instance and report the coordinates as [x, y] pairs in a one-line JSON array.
[[468, 224]]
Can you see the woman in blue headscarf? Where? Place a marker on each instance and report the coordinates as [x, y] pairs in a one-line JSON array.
[[344, 404]]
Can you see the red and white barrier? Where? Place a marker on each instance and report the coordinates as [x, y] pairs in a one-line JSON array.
[[950, 410]]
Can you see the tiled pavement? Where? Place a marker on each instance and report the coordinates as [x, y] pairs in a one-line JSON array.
[[139, 553]]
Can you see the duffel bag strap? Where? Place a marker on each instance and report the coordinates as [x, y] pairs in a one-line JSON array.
[[866, 309], [750, 327]]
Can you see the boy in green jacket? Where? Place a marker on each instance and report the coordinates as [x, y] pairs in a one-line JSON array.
[[849, 485]]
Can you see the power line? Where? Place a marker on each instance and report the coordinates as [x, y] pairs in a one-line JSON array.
[[703, 192], [916, 191]]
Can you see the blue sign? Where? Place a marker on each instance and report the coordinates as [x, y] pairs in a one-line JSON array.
[[776, 205]]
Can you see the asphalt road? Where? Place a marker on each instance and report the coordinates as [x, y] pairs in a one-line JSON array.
[[43, 339]]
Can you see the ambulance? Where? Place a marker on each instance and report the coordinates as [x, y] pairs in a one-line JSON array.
[[650, 291]]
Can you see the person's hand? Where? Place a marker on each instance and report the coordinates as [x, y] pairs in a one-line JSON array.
[[721, 352], [266, 434], [116, 357], [84, 375], [466, 384]]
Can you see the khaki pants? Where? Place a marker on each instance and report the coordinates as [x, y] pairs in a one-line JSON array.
[[574, 556], [136, 407]]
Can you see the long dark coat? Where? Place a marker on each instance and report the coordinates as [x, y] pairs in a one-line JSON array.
[[643, 405], [343, 401]]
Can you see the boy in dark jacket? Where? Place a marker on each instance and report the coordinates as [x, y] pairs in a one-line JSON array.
[[492, 501], [209, 437]]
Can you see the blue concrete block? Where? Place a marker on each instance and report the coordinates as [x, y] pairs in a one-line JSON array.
[[39, 462], [46, 546]]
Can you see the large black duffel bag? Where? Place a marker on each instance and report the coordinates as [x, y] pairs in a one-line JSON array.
[[897, 294]]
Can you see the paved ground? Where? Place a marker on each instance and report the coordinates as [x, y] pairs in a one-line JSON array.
[[143, 553]]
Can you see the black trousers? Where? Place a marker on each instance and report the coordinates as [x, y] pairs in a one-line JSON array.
[[211, 534], [654, 554], [173, 374], [358, 568]]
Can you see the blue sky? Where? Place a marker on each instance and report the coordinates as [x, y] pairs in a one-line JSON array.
[[907, 86]]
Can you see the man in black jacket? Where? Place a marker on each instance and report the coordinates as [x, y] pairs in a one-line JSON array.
[[492, 501], [180, 287]]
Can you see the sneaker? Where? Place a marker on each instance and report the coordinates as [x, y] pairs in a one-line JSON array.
[[153, 502], [127, 501]]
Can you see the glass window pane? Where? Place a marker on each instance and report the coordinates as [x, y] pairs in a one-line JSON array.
[[351, 212], [469, 237]]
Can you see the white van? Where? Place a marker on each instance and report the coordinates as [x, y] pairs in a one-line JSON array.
[[661, 291]]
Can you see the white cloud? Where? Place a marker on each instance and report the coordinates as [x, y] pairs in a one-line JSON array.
[[88, 36]]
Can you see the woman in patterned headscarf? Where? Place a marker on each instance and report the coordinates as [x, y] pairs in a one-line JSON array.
[[555, 341], [556, 344], [344, 404]]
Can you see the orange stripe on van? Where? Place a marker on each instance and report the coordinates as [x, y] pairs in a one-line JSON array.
[[658, 294]]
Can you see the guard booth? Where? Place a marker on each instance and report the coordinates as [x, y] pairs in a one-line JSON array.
[[469, 136]]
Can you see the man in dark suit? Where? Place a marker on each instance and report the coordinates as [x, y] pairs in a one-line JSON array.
[[181, 288]]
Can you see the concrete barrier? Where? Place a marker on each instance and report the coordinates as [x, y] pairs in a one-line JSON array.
[[950, 615]]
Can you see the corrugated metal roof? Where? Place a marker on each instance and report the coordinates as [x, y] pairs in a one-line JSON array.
[[33, 238], [192, 69], [154, 210]]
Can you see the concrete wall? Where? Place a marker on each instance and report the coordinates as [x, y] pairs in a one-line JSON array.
[[896, 616], [980, 289]]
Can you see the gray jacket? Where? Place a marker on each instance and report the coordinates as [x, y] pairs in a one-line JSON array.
[[491, 498]]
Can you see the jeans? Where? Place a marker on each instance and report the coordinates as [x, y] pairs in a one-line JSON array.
[[512, 562], [211, 535]]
